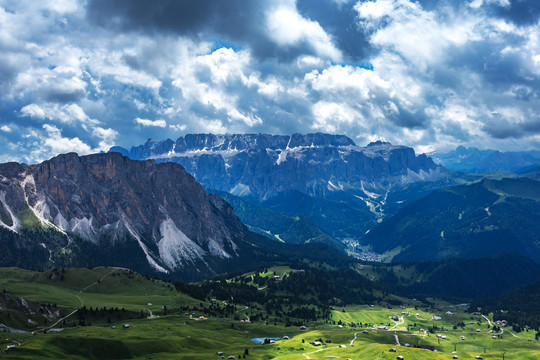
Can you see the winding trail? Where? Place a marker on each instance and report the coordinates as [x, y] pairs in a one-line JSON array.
[[306, 355], [401, 321], [80, 300], [247, 317], [397, 340], [151, 316]]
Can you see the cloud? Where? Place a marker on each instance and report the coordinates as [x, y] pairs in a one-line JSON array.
[[146, 122], [420, 73], [5, 128]]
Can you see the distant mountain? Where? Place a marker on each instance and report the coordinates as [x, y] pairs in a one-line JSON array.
[[481, 219], [261, 165], [106, 209], [477, 161], [321, 171]]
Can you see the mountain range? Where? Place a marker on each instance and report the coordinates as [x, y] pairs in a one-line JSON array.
[[477, 161], [321, 171]]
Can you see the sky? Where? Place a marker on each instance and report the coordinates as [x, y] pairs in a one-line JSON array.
[[86, 75]]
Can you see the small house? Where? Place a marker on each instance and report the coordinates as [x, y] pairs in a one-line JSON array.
[[493, 337], [478, 330], [342, 346], [478, 357], [399, 357], [317, 343], [395, 318], [393, 350], [364, 332], [125, 326], [437, 318], [463, 338], [231, 357], [340, 326], [302, 327], [219, 353], [286, 337], [454, 357], [10, 347]]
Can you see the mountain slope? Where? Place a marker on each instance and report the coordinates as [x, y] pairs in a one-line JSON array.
[[481, 219], [157, 209], [278, 225], [463, 279]]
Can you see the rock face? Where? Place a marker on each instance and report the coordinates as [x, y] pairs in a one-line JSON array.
[[261, 166], [157, 211]]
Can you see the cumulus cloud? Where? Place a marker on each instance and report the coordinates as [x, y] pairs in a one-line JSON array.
[[420, 73]]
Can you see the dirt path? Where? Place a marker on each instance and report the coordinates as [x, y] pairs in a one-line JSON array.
[[306, 355], [151, 316], [397, 340], [247, 317], [80, 300], [401, 321]]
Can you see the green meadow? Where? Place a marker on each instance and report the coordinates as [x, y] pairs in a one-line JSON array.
[[180, 334]]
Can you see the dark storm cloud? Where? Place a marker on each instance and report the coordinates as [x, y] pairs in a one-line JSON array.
[[243, 23], [341, 22]]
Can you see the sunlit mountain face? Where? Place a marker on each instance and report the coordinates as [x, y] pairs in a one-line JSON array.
[[83, 76]]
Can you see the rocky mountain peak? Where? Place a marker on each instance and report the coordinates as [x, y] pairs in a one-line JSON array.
[[158, 207]]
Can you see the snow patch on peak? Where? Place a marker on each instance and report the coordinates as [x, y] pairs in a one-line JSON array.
[[175, 248], [282, 157]]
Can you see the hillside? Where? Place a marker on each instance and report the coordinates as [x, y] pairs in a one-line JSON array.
[[458, 279], [481, 219], [278, 225]]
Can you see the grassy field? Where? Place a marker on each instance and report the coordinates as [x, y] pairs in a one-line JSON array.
[[178, 336]]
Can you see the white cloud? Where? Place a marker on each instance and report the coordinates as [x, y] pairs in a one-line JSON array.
[[57, 144], [287, 27], [67, 114], [329, 117], [5, 128], [157, 123]]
